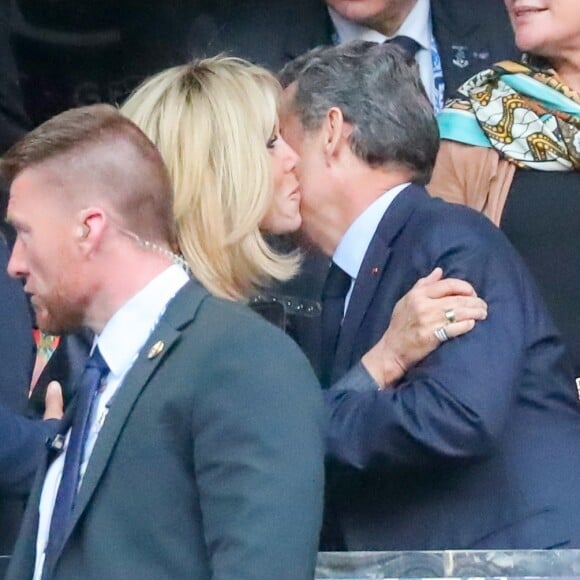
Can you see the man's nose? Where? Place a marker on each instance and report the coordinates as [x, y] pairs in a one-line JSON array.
[[17, 265], [290, 156]]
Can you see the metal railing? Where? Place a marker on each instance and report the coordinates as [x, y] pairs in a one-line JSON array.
[[562, 564]]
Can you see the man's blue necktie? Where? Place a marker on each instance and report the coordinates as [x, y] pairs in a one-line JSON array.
[[95, 370], [334, 294], [409, 46]]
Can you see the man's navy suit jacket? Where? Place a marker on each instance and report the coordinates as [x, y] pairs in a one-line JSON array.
[[476, 447]]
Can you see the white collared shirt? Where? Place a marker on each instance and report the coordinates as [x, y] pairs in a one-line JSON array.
[[120, 342], [353, 246], [417, 26]]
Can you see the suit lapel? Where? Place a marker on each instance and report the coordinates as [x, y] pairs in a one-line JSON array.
[[133, 384], [374, 264], [372, 272], [180, 311]]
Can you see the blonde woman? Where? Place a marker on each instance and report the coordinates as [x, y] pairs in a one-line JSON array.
[[216, 125], [215, 122]]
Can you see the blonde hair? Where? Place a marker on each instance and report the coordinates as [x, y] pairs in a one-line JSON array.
[[211, 120]]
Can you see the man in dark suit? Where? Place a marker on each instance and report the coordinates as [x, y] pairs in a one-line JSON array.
[[466, 37], [475, 446], [195, 446]]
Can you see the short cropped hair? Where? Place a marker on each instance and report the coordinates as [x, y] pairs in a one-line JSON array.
[[211, 120], [120, 163], [379, 91]]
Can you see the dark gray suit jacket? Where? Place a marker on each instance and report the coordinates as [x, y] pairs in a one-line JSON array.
[[209, 464]]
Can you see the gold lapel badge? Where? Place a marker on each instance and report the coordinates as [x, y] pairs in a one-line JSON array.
[[156, 349]]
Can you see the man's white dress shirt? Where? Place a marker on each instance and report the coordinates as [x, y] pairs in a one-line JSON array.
[[353, 246], [417, 26]]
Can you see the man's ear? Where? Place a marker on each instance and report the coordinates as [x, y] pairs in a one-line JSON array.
[[91, 223], [336, 132]]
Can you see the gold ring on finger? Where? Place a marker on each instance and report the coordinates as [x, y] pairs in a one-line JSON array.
[[450, 315]]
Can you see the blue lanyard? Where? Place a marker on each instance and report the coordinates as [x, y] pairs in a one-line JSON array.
[[438, 80], [438, 100]]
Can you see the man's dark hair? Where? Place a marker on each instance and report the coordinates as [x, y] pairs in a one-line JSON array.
[[379, 91]]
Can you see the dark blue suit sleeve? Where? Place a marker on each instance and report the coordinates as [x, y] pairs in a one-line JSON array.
[[455, 404], [22, 443]]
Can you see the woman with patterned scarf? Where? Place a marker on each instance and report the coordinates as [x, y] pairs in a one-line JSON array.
[[511, 149]]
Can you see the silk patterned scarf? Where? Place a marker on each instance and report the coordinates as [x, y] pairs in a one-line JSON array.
[[524, 112]]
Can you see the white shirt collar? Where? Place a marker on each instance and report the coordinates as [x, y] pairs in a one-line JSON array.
[[129, 328], [351, 250], [417, 26]]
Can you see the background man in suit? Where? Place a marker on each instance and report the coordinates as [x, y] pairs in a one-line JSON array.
[[197, 434], [475, 446], [454, 39]]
